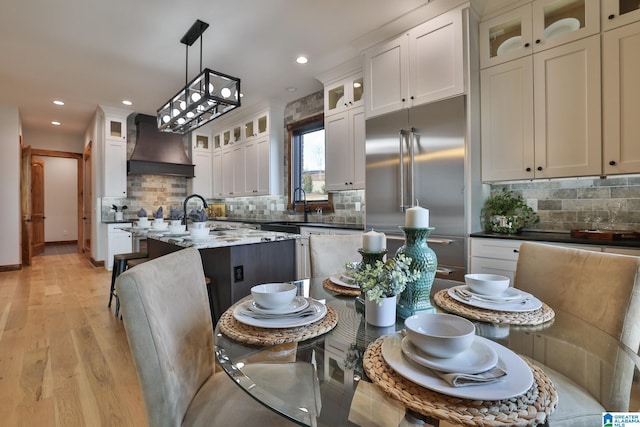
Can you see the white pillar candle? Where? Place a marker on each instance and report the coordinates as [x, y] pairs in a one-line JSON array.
[[417, 217], [373, 241]]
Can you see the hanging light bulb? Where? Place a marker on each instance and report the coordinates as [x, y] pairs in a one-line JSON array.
[[225, 92]]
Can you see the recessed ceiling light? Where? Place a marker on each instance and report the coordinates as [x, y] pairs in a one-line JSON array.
[[302, 60], [57, 102], [291, 89], [56, 123], [127, 102]]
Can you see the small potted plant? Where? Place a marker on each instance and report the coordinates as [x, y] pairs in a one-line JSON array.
[[381, 284], [507, 212]]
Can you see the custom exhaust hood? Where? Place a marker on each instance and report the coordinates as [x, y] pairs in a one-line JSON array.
[[158, 153]]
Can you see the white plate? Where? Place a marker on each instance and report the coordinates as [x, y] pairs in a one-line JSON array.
[[510, 294], [509, 45], [298, 304], [479, 357], [518, 380], [531, 304], [560, 27], [337, 279], [285, 322]]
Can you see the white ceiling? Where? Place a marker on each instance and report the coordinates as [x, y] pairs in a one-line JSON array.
[[90, 52]]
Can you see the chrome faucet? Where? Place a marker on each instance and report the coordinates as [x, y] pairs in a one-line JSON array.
[[305, 208], [184, 207]]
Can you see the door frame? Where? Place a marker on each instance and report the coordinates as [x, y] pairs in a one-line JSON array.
[[79, 186]]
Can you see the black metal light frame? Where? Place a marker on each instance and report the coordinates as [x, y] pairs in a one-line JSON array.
[[208, 96]]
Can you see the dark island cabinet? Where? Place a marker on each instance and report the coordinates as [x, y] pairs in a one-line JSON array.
[[233, 270]]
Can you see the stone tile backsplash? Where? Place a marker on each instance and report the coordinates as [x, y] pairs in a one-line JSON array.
[[582, 203]]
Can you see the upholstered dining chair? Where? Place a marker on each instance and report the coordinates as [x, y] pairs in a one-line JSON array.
[[329, 252], [602, 289], [168, 323]]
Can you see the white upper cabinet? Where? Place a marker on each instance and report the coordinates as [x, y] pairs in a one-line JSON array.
[[541, 114], [423, 65], [616, 13], [247, 153], [507, 121], [256, 126], [114, 140], [201, 156], [567, 110], [344, 94], [621, 99], [345, 150], [534, 27]]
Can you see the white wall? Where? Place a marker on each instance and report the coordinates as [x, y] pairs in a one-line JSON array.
[[52, 141], [60, 199], [10, 186]]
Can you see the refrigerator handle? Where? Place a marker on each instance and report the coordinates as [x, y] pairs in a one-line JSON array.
[[402, 138]]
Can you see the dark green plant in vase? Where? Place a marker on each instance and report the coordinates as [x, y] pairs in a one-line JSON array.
[[507, 212]]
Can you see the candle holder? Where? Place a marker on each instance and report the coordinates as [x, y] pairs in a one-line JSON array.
[[416, 296], [368, 258]]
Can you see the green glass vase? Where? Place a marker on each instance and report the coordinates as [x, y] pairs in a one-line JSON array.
[[416, 296]]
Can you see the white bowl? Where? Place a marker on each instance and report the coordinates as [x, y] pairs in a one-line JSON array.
[[487, 284], [440, 335], [199, 233], [274, 295]]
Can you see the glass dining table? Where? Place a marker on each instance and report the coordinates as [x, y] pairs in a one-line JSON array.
[[322, 381]]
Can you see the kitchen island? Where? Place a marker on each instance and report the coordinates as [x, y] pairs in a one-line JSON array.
[[235, 260]]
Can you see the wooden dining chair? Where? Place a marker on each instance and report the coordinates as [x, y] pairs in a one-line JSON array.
[[329, 252], [168, 323], [601, 289]]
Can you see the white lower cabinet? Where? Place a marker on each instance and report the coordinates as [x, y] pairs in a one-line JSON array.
[[500, 256], [118, 242]]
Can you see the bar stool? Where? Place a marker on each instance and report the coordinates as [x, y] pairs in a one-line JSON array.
[[120, 264]]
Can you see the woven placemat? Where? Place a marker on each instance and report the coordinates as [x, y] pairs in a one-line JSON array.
[[530, 408], [271, 336], [535, 317], [329, 285]]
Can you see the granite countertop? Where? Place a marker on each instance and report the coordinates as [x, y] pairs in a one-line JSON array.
[[559, 237], [217, 238]]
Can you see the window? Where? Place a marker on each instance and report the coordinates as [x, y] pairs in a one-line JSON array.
[[307, 164]]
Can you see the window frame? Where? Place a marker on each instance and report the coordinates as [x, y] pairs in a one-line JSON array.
[[292, 130]]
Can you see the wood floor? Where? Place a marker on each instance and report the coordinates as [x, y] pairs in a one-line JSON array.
[[64, 357]]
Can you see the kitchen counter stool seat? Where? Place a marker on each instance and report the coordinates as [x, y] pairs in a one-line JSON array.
[[120, 264]]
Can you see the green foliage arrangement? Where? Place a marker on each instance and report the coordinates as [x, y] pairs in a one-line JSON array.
[[507, 212], [386, 279]]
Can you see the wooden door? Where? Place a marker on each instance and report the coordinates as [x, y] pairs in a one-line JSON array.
[[25, 205], [37, 206], [86, 201]]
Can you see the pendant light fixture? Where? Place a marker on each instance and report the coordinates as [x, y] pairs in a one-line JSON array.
[[210, 95]]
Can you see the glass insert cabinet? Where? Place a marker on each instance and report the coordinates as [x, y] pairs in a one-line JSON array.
[[534, 27]]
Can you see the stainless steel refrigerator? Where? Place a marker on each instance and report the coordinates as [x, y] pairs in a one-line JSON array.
[[416, 156]]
